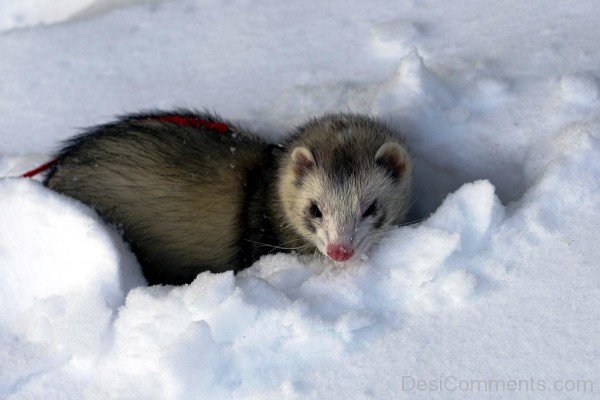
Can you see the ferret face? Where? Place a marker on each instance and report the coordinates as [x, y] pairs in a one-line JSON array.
[[343, 206]]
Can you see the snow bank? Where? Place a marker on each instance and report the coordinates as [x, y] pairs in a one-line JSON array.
[[64, 276], [67, 250], [26, 13], [500, 282]]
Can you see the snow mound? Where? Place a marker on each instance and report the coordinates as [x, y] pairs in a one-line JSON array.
[[393, 39], [583, 89], [64, 273]]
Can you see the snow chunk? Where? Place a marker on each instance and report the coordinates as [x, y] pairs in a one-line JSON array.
[[581, 89], [395, 38], [474, 211], [459, 285], [415, 82], [428, 264], [487, 93]]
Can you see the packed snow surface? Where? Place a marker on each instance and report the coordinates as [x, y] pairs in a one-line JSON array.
[[495, 293]]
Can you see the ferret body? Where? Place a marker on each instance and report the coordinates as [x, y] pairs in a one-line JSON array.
[[189, 199]]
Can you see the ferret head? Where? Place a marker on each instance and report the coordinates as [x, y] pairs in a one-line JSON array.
[[344, 180]]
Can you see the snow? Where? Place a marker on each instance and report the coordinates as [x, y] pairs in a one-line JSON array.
[[499, 281], [26, 13]]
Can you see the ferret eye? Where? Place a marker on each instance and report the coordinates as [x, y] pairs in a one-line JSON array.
[[314, 211], [371, 210]]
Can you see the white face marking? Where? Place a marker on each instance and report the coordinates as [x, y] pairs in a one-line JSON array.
[[342, 166], [339, 226]]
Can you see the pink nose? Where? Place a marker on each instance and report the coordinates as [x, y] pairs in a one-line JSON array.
[[340, 252]]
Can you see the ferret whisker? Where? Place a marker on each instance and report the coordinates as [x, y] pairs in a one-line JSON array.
[[273, 246]]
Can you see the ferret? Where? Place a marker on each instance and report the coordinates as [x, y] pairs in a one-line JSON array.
[[192, 193]]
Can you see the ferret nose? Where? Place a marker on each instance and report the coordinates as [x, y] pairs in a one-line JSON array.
[[340, 252]]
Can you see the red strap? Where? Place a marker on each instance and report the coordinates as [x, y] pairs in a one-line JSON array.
[[39, 169], [193, 122]]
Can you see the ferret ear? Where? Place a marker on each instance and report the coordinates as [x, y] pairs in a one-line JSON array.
[[303, 160], [393, 158]]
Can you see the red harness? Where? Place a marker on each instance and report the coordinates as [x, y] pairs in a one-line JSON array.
[[194, 122], [39, 169], [180, 120]]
